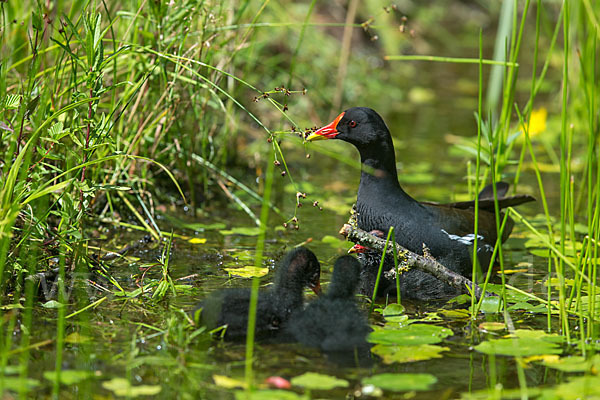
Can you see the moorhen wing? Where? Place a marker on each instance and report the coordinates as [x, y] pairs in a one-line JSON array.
[[446, 230], [298, 269], [333, 323]]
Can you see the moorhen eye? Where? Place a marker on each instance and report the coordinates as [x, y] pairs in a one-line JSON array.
[[298, 269], [445, 229]]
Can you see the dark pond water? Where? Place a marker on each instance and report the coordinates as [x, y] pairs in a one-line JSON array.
[[150, 343]]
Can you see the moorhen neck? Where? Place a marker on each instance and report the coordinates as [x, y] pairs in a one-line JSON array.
[[446, 230], [298, 269], [333, 322]]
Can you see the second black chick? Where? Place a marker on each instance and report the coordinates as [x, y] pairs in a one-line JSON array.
[[333, 323]]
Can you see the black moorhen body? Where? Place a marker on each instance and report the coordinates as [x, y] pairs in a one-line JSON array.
[[446, 230], [333, 322], [298, 269]]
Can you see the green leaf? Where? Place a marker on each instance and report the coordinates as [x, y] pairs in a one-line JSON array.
[[404, 354], [572, 364], [52, 304], [268, 395], [16, 383], [490, 304], [36, 21], [581, 387], [69, 376], [312, 380], [122, 387], [249, 271], [410, 335], [518, 347], [401, 382], [242, 230]]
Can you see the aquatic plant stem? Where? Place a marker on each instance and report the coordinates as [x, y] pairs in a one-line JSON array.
[[474, 258], [260, 244], [381, 262]]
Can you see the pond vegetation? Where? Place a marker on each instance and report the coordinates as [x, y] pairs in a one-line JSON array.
[[153, 153]]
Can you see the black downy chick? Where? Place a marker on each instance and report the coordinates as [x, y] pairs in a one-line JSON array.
[[333, 323], [298, 269]]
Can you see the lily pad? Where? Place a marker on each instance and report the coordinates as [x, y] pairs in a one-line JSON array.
[[197, 241], [518, 347], [538, 334], [312, 380], [410, 335], [401, 382], [122, 387], [76, 337], [272, 394], [69, 377], [581, 387], [241, 230], [404, 354], [492, 326], [249, 271], [570, 364]]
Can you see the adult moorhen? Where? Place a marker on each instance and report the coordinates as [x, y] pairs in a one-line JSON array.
[[446, 230], [333, 322], [298, 269]]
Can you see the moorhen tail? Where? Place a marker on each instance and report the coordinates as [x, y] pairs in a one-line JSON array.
[[446, 230], [333, 322], [298, 269]]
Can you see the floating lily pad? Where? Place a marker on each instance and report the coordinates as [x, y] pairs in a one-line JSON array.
[[581, 387], [410, 335], [570, 364], [69, 377], [122, 387], [404, 354], [525, 306], [455, 314], [490, 304], [538, 334], [492, 326], [394, 313], [401, 382], [76, 337], [518, 347], [312, 380], [241, 230], [249, 271], [274, 394]]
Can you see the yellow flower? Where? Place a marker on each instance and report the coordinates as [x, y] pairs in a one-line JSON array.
[[537, 122]]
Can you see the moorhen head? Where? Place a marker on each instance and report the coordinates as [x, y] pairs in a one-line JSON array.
[[333, 322], [297, 270], [446, 230]]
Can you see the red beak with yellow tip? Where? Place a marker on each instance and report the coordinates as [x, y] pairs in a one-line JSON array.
[[326, 132]]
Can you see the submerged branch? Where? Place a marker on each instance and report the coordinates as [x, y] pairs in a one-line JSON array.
[[413, 260]]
